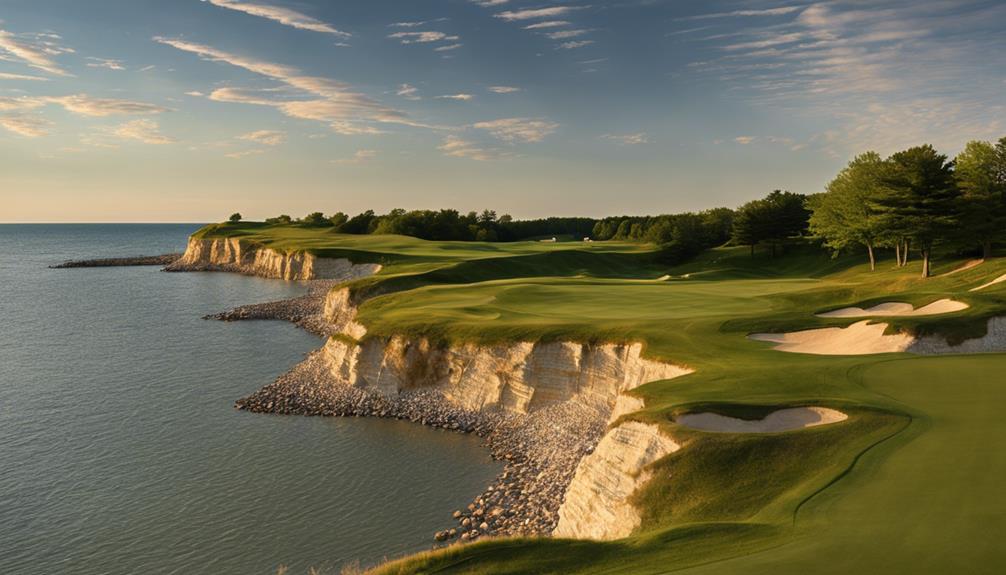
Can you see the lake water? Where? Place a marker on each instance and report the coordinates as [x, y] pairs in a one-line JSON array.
[[120, 450]]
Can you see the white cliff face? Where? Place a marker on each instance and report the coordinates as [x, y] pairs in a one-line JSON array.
[[524, 377], [520, 377], [597, 503], [340, 313], [230, 254]]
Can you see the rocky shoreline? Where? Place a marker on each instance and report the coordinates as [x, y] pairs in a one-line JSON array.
[[161, 260], [304, 311], [540, 450]]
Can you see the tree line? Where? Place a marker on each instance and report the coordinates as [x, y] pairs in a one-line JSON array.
[[916, 199]]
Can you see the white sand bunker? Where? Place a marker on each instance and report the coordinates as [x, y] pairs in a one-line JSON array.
[[998, 280], [861, 338], [782, 420], [899, 309]]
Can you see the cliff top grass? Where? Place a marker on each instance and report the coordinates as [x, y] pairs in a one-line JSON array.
[[909, 483]]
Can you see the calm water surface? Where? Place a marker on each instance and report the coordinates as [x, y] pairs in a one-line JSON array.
[[120, 451]]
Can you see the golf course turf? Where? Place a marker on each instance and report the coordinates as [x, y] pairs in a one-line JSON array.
[[909, 483]]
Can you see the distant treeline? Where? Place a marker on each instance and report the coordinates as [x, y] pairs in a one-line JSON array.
[[681, 235], [915, 199]]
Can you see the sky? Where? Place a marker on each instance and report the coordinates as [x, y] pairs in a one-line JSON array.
[[189, 110]]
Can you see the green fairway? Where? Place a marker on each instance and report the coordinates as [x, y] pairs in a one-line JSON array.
[[906, 484]]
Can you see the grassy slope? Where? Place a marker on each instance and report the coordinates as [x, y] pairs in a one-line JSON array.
[[779, 500]]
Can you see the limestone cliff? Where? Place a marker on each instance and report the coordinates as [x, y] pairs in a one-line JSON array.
[[597, 502], [233, 255], [520, 377]]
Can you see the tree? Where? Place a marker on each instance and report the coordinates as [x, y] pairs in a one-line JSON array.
[[315, 219], [235, 218], [338, 219], [981, 177], [920, 198], [623, 230], [359, 224], [750, 224], [774, 219], [846, 213]]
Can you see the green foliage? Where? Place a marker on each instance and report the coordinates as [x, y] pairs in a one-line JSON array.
[[773, 219], [980, 171], [315, 219], [846, 214], [920, 199], [235, 218], [282, 220]]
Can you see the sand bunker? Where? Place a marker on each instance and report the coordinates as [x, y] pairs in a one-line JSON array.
[[998, 280], [782, 420], [898, 309], [861, 338]]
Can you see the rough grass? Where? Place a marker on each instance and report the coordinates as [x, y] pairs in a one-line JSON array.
[[909, 483]]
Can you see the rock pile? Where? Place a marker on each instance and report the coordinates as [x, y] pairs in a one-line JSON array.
[[161, 260], [540, 450], [305, 311]]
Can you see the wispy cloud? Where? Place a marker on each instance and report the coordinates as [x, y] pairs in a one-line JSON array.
[[105, 63], [328, 100], [359, 157], [458, 147], [7, 76], [83, 105], [503, 89], [565, 34], [547, 24], [27, 126], [884, 75], [86, 105], [408, 91], [143, 130], [35, 50], [421, 37], [575, 44], [780, 11], [264, 137], [534, 13], [279, 14], [513, 130], [461, 97], [627, 139]]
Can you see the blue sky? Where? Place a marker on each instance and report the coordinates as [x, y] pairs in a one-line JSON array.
[[187, 110]]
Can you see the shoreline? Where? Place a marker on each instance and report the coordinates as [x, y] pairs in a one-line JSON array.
[[540, 450]]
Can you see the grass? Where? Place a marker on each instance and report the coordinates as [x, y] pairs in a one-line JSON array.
[[908, 484]]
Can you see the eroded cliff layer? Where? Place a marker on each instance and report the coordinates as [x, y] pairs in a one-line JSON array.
[[519, 377], [232, 255], [597, 503]]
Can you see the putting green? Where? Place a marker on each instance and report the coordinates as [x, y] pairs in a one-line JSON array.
[[929, 502]]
